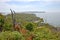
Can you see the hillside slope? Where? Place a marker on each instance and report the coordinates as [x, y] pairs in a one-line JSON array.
[[23, 17]]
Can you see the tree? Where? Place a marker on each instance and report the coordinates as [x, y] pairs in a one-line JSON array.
[[1, 22]]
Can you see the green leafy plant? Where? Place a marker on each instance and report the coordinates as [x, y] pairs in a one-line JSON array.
[[7, 35], [29, 26]]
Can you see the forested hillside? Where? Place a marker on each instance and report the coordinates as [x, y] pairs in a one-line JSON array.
[[24, 17]]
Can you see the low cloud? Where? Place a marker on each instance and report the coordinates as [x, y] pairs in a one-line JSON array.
[[28, 0], [4, 1]]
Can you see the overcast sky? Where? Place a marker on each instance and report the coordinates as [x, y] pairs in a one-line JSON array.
[[30, 5]]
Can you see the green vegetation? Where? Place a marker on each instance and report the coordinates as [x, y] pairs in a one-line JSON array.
[[45, 33], [23, 18], [8, 35], [34, 25], [1, 22], [29, 26]]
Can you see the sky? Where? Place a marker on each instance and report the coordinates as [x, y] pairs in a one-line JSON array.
[[30, 5]]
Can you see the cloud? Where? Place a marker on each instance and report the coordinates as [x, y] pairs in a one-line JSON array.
[[50, 0], [32, 5], [28, 0], [18, 0], [38, 0], [4, 7], [5, 0]]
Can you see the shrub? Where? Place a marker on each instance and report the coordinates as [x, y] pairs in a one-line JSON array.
[[1, 22], [44, 33], [7, 27], [29, 26], [11, 35]]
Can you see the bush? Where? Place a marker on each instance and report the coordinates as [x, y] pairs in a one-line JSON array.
[[1, 22], [45, 33], [7, 27], [11, 35], [29, 26]]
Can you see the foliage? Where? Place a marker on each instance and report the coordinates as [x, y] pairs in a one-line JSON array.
[[23, 18], [1, 19], [1, 22], [11, 35], [7, 27], [29, 26], [40, 22], [44, 33]]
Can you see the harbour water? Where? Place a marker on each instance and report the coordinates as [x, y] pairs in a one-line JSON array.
[[52, 18]]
